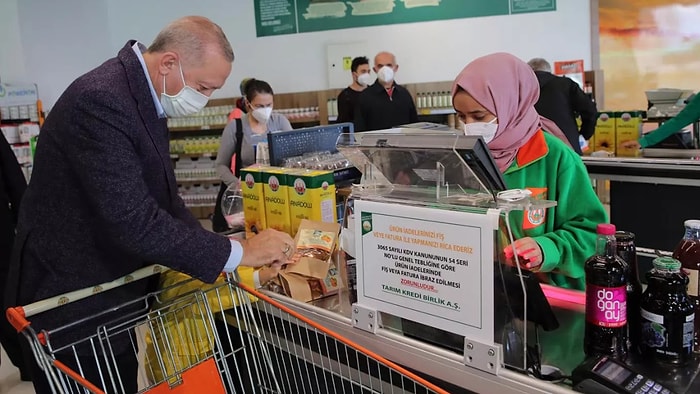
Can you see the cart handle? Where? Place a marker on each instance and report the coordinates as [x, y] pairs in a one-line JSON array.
[[17, 316]]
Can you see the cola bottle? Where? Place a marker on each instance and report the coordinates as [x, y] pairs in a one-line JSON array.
[[628, 252], [606, 298]]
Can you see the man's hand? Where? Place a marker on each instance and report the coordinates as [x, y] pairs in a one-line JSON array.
[[267, 248], [529, 254]]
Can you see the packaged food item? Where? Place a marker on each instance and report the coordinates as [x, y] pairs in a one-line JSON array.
[[605, 133], [315, 243], [276, 199], [311, 196], [313, 273], [253, 200], [628, 127]]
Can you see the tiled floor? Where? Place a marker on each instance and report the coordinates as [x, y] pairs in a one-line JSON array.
[[9, 379]]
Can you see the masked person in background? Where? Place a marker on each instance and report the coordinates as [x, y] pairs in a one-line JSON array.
[[494, 96], [347, 99], [241, 137], [385, 104]]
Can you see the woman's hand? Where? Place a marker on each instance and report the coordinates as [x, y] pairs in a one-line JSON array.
[[529, 254]]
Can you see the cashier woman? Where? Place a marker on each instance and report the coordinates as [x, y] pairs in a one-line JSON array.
[[494, 96]]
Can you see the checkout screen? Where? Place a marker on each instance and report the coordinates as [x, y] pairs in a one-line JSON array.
[[613, 372]]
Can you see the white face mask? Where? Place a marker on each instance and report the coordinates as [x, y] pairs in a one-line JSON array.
[[262, 114], [186, 102], [386, 74], [364, 79], [486, 130]]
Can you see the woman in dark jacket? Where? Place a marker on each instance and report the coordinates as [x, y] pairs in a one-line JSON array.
[[12, 186]]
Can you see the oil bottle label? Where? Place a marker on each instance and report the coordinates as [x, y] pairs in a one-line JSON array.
[[606, 306]]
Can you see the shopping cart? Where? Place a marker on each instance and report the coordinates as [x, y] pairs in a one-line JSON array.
[[225, 337]]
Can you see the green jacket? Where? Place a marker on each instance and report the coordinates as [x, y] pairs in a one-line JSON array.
[[567, 232], [689, 114]]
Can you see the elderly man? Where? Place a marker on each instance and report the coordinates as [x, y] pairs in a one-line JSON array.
[[384, 104], [103, 200], [562, 100]]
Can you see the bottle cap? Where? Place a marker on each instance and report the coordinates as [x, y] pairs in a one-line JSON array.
[[693, 223], [606, 229], [624, 236], [667, 263]]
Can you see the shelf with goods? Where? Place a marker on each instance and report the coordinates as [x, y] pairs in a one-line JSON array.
[[21, 115]]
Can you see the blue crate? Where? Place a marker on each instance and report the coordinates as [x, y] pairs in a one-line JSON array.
[[284, 144]]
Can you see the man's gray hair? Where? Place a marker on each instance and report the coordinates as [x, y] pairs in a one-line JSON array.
[[539, 64], [190, 37]]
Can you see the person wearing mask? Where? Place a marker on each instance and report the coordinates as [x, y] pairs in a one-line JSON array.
[[562, 100], [104, 154], [12, 187], [494, 96], [384, 104], [347, 99], [240, 139], [688, 115]]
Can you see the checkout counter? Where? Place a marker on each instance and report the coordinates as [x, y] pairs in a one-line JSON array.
[[468, 324]]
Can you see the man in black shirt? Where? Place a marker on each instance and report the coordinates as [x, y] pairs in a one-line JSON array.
[[347, 99], [561, 100], [385, 104]]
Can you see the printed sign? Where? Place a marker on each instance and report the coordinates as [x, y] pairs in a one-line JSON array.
[[431, 266]]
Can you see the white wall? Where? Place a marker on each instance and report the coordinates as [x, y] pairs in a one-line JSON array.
[[11, 54], [69, 37]]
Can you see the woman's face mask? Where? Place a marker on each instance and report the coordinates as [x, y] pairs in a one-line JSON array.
[[186, 102], [262, 114], [487, 130]]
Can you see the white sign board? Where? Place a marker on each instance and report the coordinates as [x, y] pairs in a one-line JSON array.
[[427, 265], [11, 95]]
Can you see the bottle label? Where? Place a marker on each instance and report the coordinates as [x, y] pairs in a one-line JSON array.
[[606, 306], [693, 282]]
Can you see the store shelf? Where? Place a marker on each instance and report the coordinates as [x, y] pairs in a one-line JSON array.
[[197, 181], [436, 111], [197, 128], [192, 155]]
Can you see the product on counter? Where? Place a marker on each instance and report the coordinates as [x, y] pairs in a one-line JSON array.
[[688, 253], [311, 196], [275, 191], [628, 252], [313, 273], [253, 200], [667, 314], [605, 133], [628, 127], [606, 298]]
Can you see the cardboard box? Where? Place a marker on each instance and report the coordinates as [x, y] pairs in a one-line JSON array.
[[311, 196], [605, 132], [253, 200], [628, 127], [275, 188]]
